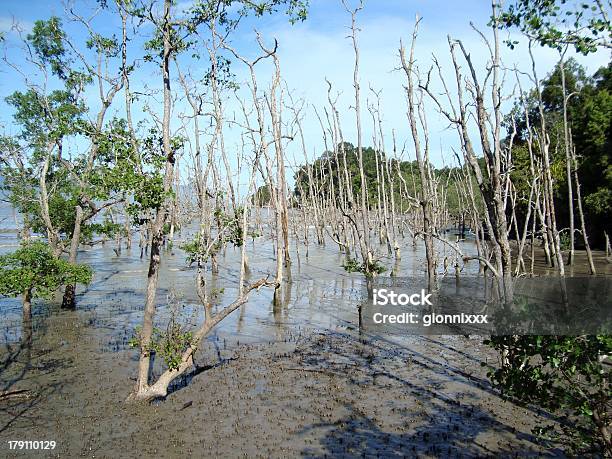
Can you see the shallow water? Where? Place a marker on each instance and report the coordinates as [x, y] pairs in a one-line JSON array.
[[320, 295]]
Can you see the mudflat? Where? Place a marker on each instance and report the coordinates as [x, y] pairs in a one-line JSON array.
[[307, 394]]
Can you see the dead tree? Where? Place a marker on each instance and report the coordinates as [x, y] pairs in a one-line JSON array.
[[366, 251], [492, 185], [548, 189], [422, 161]]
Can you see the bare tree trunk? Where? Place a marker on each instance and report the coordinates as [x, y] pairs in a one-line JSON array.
[[425, 201], [27, 304], [548, 197], [281, 182], [142, 384], [585, 236], [366, 251], [52, 235], [568, 159], [494, 188], [68, 300]]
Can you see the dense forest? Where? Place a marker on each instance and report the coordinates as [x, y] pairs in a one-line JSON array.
[[589, 119]]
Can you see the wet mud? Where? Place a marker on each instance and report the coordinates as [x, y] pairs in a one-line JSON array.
[[292, 377]]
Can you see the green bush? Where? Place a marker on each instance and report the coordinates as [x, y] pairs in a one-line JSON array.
[[568, 375], [35, 269], [351, 265]]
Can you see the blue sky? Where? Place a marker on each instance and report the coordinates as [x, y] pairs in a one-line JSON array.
[[318, 48]]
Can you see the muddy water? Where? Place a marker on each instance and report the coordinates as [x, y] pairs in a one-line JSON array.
[[321, 294], [275, 379]]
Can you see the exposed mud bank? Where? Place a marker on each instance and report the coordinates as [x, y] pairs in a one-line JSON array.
[[308, 394]]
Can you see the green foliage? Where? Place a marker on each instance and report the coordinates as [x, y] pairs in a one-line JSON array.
[[194, 249], [47, 39], [560, 373], [329, 169], [590, 122], [297, 10], [225, 14], [113, 173], [46, 118], [230, 227], [557, 23], [599, 202], [117, 165], [33, 267], [18, 181], [262, 196], [169, 344], [108, 228], [46, 121], [119, 170], [352, 265], [222, 75], [564, 240], [108, 47]]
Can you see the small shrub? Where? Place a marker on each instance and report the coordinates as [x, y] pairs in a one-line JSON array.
[[352, 265], [564, 374], [35, 269], [169, 344]]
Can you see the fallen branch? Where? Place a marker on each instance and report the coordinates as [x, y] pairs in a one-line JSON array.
[[456, 248]]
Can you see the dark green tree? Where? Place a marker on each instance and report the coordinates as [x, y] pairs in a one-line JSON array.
[[34, 271]]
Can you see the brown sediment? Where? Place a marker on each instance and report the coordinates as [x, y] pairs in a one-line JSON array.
[[277, 379], [312, 394]]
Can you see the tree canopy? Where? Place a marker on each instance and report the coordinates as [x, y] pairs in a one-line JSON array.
[[35, 269]]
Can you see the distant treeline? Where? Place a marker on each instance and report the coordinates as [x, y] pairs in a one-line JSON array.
[[589, 116], [401, 176]]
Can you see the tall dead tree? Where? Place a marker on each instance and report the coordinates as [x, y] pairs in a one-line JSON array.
[[492, 183], [366, 251], [568, 158], [413, 119], [549, 214]]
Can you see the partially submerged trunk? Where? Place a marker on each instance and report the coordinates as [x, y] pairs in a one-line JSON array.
[[27, 304], [366, 250], [422, 161]]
